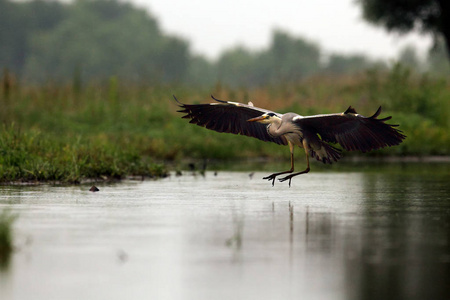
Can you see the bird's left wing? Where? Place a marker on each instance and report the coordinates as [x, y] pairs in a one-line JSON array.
[[229, 117], [352, 130]]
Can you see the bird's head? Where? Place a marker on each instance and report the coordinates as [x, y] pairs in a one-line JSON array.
[[267, 118]]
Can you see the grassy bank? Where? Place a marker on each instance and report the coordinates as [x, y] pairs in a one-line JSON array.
[[112, 130]]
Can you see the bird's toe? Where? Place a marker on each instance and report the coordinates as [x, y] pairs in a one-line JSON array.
[[271, 177], [289, 177]]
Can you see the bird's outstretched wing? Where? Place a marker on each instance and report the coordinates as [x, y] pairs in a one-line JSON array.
[[353, 131], [229, 117]]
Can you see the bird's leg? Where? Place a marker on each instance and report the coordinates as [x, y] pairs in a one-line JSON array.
[[305, 145], [274, 175]]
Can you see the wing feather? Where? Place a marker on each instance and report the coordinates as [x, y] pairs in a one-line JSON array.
[[353, 131], [229, 117]]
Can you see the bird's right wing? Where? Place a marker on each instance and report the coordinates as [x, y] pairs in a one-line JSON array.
[[229, 117], [352, 130]]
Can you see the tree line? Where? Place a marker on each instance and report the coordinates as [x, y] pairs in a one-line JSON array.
[[96, 39]]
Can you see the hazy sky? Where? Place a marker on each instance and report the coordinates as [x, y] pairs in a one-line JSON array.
[[335, 25]]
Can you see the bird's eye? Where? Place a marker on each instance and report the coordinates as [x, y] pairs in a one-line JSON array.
[[271, 114]]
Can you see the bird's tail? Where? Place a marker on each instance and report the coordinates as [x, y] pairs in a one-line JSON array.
[[326, 153]]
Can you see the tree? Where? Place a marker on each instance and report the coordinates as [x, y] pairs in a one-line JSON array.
[[293, 58], [436, 59], [288, 59], [408, 57], [18, 22], [347, 64], [236, 67], [201, 72], [104, 38], [428, 16]]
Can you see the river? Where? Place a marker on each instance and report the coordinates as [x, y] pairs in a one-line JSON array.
[[381, 233]]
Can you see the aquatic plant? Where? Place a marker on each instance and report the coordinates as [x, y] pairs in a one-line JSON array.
[[6, 239]]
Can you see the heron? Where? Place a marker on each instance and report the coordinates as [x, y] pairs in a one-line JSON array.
[[314, 134]]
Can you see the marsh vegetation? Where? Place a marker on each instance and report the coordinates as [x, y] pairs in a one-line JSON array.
[[111, 130]]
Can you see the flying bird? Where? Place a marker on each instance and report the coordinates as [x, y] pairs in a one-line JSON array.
[[312, 133]]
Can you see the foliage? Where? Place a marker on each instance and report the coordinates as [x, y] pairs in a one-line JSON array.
[[201, 72], [106, 38], [36, 156], [92, 117], [349, 64], [19, 21], [409, 58], [402, 15], [59, 133], [92, 40], [422, 107], [288, 59], [438, 64], [292, 58], [431, 16], [236, 67]]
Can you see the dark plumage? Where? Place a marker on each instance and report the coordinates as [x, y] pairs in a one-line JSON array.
[[229, 117], [349, 129]]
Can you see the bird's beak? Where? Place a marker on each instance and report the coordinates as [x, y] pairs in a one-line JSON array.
[[260, 118]]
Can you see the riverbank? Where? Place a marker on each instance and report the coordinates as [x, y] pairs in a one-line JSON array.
[[113, 131]]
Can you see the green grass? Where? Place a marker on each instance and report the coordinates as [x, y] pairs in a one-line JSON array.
[[113, 130], [31, 155]]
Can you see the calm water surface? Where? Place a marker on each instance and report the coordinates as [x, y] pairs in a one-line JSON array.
[[382, 234]]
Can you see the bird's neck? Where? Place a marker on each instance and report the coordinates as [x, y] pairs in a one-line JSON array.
[[272, 128]]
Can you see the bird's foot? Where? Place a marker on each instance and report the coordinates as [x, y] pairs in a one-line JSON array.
[[271, 177], [286, 178]]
